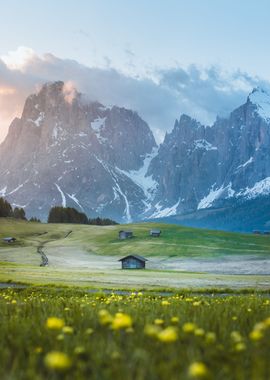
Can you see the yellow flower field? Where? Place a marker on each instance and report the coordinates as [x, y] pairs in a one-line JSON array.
[[69, 334]]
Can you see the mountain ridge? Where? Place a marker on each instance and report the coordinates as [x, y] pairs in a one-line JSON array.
[[104, 160]]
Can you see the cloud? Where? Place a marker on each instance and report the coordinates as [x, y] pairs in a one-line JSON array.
[[159, 98]]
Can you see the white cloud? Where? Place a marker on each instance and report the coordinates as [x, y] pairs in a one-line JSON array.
[[159, 97]]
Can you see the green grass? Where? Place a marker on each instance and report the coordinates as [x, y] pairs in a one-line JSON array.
[[174, 240], [219, 337]]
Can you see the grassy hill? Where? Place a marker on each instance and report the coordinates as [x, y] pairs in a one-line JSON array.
[[174, 240], [83, 255]]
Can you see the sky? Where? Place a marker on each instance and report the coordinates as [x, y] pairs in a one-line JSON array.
[[161, 58]]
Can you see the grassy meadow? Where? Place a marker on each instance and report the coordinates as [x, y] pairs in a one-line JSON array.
[[68, 334], [82, 255], [174, 241], [60, 329]]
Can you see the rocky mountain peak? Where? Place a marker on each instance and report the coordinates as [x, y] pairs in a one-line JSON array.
[[260, 98]]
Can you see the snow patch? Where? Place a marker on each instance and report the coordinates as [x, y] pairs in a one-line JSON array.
[[168, 211], [97, 125], [17, 188], [64, 201], [260, 188], [140, 178], [3, 191], [249, 161], [203, 144], [214, 194], [72, 196], [261, 99], [117, 188], [38, 120], [208, 200]]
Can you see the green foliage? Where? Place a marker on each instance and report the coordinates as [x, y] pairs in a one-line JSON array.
[[102, 222], [5, 208], [229, 335], [34, 219], [71, 215], [19, 213], [66, 215]]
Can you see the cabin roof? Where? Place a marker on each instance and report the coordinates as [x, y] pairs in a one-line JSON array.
[[155, 231], [138, 257], [9, 238]]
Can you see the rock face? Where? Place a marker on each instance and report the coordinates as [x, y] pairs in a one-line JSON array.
[[104, 160], [199, 167], [65, 151]]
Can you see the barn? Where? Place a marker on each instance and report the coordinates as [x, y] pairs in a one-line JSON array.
[[155, 233], [125, 235], [133, 262]]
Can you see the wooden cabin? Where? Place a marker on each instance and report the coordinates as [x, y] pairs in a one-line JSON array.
[[133, 262], [125, 235], [155, 233], [9, 239]]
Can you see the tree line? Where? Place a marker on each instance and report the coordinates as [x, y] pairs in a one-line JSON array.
[[60, 214], [56, 215], [6, 210]]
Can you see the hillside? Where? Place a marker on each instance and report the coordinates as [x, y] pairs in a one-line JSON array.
[[174, 240], [82, 255]]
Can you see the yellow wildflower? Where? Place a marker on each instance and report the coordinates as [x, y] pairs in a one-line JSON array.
[[174, 319], [198, 370], [256, 335], [13, 302], [210, 337], [240, 346], [60, 337], [168, 335], [189, 327], [199, 332], [158, 321], [38, 350], [165, 303], [58, 361], [267, 322], [151, 330], [89, 331], [121, 321], [79, 350], [68, 330], [54, 323], [236, 336], [105, 317]]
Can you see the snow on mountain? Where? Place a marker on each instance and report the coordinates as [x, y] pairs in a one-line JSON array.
[[104, 160], [261, 99], [66, 153], [258, 189]]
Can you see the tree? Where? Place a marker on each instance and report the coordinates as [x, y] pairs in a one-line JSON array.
[[5, 208], [34, 219], [66, 215], [19, 213]]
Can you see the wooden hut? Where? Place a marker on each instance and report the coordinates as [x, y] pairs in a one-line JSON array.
[[133, 262], [9, 239], [125, 235], [155, 233]]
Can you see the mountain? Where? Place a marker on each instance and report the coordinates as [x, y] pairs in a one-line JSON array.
[[209, 167], [67, 151]]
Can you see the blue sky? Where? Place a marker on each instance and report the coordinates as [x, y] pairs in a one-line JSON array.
[[234, 34], [201, 57]]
